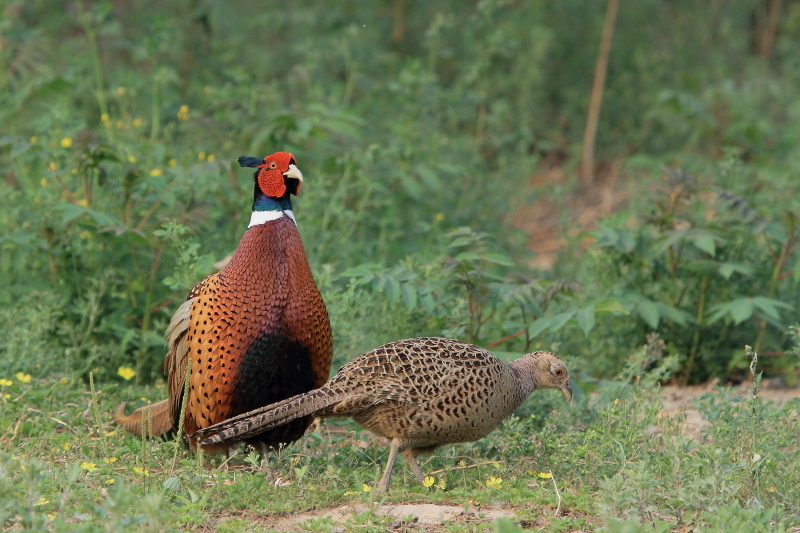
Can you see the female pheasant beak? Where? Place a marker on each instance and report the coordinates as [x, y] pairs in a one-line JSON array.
[[567, 390], [294, 172]]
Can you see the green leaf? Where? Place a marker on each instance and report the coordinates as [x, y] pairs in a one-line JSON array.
[[796, 272], [611, 307], [649, 312], [740, 310], [538, 326], [498, 259], [393, 289], [727, 269], [705, 242], [469, 256], [409, 296], [558, 321], [769, 306], [70, 212], [586, 319]]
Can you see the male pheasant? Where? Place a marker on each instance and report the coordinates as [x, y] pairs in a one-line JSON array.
[[420, 393], [256, 332]]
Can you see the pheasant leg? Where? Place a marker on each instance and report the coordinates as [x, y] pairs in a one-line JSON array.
[[383, 484], [412, 462]]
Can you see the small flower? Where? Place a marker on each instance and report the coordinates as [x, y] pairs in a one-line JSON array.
[[137, 122], [23, 378], [206, 89], [140, 470], [131, 159], [366, 488], [210, 157], [494, 482], [91, 467], [83, 202], [201, 156], [64, 381], [66, 142], [7, 396], [6, 382], [771, 488], [120, 124], [109, 460], [42, 501], [428, 481], [439, 217], [616, 401], [43, 182], [34, 139], [104, 117], [126, 372], [74, 171], [120, 90], [183, 112], [545, 475], [67, 446], [172, 162], [756, 457], [109, 481], [349, 492], [52, 166], [155, 172]]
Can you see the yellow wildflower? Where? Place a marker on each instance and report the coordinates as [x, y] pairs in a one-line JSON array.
[[126, 372], [132, 159], [494, 482], [6, 382], [110, 481], [183, 112], [64, 380], [140, 470], [34, 139], [91, 467], [42, 501], [366, 488], [201, 156], [83, 202], [52, 166], [172, 162], [43, 182], [155, 172], [211, 157], [7, 396], [428, 481], [439, 217], [67, 446], [104, 117], [66, 142], [109, 459], [545, 475], [137, 122], [23, 378], [120, 90]]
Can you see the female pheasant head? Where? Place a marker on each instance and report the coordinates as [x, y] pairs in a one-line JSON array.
[[277, 175], [543, 370]]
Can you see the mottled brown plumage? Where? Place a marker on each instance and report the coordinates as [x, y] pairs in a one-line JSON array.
[[256, 332], [420, 393]]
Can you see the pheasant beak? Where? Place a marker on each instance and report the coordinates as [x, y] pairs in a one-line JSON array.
[[294, 172], [567, 390]]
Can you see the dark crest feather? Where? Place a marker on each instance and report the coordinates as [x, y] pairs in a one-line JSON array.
[[251, 162]]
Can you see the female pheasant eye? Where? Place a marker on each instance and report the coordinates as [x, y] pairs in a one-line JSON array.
[[559, 372]]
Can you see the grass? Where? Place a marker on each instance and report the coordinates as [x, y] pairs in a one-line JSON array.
[[618, 462]]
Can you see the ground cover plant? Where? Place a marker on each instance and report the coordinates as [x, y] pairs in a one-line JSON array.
[[421, 129]]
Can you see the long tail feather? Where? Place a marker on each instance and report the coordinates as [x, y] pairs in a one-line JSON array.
[[133, 423], [260, 420]]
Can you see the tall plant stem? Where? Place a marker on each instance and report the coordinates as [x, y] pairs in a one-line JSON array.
[[100, 94], [587, 162], [701, 310]]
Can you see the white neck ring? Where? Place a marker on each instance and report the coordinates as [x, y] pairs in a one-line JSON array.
[[261, 217]]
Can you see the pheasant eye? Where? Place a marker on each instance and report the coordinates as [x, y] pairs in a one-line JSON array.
[[273, 165]]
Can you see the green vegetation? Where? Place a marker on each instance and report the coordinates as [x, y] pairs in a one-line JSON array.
[[418, 126]]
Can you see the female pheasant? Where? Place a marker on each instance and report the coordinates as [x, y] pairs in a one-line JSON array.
[[420, 393], [256, 332]]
